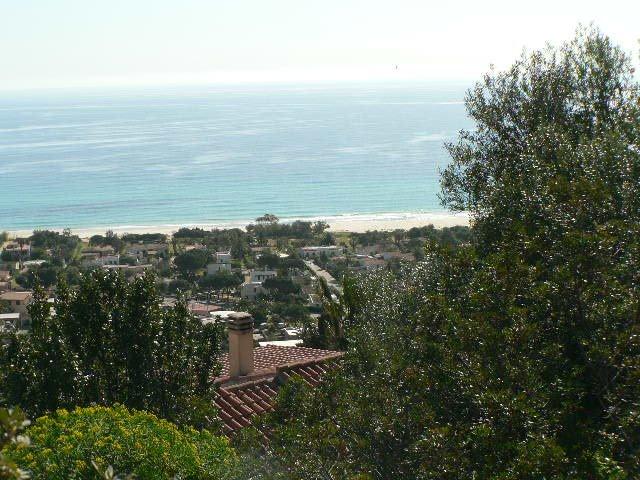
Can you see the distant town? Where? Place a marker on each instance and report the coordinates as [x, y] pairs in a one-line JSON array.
[[275, 271]]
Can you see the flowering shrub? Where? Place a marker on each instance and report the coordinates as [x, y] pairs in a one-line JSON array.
[[65, 444]]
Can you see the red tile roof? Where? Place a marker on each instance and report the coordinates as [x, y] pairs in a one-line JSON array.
[[269, 357], [240, 400]]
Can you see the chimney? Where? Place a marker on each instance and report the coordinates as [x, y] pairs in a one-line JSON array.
[[240, 344]]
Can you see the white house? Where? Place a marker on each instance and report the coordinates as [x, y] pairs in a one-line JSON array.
[[144, 250], [222, 263], [314, 252], [262, 275], [250, 290]]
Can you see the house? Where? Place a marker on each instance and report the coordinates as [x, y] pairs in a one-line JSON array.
[[222, 263], [129, 268], [372, 263], [96, 260], [369, 250], [18, 301], [24, 249], [145, 250], [109, 260], [99, 250], [251, 290], [5, 275], [251, 376], [262, 275], [10, 322], [33, 263], [314, 252], [88, 259], [408, 257], [253, 287], [202, 309]]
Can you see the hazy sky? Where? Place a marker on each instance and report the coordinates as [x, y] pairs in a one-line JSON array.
[[50, 43]]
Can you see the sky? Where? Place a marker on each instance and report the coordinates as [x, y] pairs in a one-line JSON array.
[[75, 43]]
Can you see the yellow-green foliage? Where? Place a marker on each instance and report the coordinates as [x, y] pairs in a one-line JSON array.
[[64, 444]]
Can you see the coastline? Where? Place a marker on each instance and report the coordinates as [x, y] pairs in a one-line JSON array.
[[354, 223]]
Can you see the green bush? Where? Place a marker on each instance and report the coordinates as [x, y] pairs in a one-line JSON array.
[[64, 445]]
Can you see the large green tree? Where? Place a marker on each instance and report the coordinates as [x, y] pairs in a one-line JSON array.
[[518, 356], [110, 341]]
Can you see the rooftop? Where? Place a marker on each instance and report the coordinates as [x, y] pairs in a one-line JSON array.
[[238, 404], [14, 296], [267, 358]]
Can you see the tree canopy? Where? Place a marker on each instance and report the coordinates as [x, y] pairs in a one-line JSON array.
[[516, 356], [109, 341]]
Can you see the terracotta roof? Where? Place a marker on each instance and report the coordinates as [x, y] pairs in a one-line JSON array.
[[269, 357], [16, 296], [240, 400]]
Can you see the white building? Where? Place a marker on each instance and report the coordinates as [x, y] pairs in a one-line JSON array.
[[250, 290], [222, 263], [10, 322], [108, 260], [314, 252], [143, 251], [262, 275]]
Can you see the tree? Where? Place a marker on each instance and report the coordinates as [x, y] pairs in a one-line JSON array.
[[220, 281], [110, 341], [281, 288], [516, 356], [319, 227], [46, 274], [188, 263], [267, 218], [268, 260], [74, 444]]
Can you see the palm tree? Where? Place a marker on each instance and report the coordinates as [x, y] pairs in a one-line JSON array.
[[339, 310]]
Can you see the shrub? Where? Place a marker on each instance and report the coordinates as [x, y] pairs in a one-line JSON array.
[[64, 445]]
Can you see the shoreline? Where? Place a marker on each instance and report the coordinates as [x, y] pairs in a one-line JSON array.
[[353, 223]]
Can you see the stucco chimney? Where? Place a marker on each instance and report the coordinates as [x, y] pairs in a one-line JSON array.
[[240, 344]]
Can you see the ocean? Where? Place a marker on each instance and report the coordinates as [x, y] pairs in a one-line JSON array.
[[211, 155]]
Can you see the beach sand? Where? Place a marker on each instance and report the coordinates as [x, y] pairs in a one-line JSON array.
[[356, 223]]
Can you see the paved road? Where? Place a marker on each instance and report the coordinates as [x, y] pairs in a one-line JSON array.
[[319, 272]]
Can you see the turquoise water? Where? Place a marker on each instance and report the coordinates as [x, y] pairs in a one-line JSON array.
[[207, 155]]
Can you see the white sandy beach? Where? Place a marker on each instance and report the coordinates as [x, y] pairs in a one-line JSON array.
[[356, 223]]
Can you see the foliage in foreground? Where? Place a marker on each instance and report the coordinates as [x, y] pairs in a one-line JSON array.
[[517, 357], [67, 444], [110, 341], [12, 424]]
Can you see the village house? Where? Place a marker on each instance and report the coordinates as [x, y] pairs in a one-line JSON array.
[[251, 376], [10, 322], [253, 287], [144, 251], [99, 250], [315, 252], [260, 275], [24, 249], [202, 310], [251, 290], [387, 256], [97, 260], [222, 263], [129, 268], [18, 302]]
